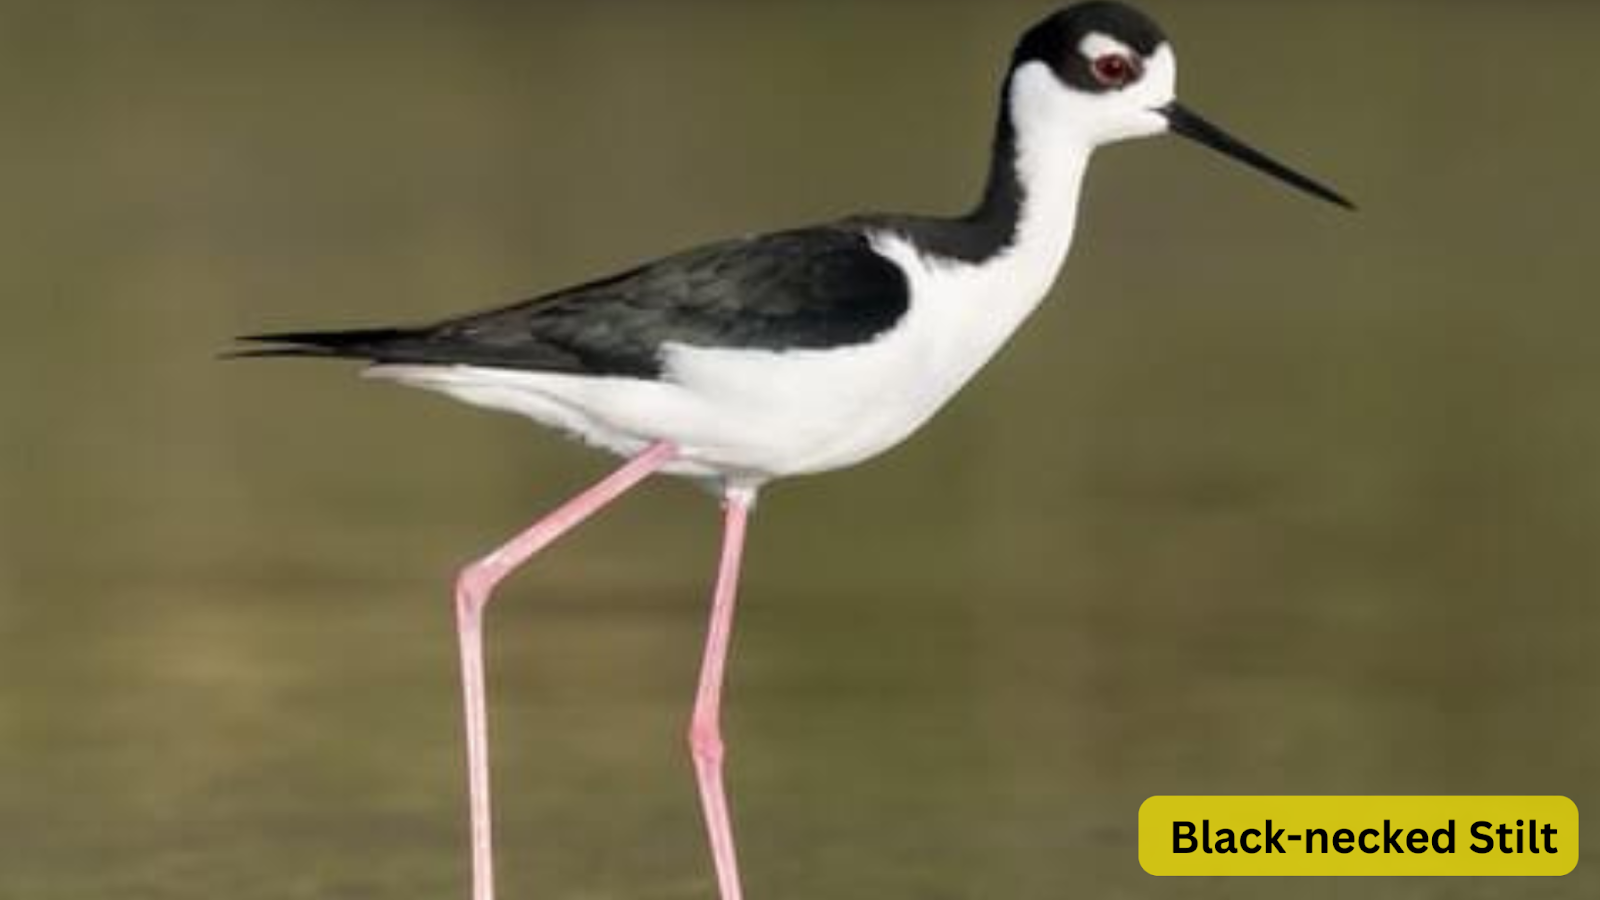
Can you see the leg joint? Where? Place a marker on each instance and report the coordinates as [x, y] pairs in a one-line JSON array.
[[473, 587], [705, 741]]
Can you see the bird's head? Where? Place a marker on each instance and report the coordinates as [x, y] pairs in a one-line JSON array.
[[1100, 72]]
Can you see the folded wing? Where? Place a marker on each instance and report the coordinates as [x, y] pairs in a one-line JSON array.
[[808, 289]]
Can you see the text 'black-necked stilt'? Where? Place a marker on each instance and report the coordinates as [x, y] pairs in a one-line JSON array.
[[801, 351]]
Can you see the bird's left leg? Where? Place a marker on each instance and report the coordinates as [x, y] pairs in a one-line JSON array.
[[474, 587], [705, 730]]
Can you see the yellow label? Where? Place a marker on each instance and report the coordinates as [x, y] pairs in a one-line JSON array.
[[1358, 835]]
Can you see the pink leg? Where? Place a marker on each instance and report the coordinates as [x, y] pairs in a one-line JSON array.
[[705, 730], [474, 587]]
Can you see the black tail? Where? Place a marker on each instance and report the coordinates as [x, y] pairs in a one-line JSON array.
[[365, 343]]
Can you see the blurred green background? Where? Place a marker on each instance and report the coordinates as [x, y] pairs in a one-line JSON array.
[[1270, 499]]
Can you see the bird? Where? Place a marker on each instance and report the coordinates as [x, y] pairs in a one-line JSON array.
[[745, 361]]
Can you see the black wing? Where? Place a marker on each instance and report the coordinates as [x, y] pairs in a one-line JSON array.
[[812, 288]]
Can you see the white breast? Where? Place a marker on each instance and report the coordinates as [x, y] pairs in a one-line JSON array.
[[814, 410]]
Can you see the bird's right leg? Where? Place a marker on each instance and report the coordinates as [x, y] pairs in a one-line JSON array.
[[705, 728], [474, 587]]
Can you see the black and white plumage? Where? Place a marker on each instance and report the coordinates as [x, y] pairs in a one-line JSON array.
[[812, 349], [814, 288], [796, 352]]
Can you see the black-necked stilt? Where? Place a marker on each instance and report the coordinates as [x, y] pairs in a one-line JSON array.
[[785, 354]]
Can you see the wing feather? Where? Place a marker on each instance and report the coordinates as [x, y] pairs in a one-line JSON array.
[[811, 288]]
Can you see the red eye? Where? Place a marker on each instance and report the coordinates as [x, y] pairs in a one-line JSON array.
[[1115, 71]]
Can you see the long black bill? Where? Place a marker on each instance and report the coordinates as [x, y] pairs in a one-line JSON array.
[[1190, 125]]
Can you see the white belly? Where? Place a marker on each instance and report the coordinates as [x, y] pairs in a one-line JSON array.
[[755, 415]]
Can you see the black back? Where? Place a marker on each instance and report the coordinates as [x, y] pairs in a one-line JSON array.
[[807, 289]]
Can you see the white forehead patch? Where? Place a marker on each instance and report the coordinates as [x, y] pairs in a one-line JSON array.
[[1097, 45]]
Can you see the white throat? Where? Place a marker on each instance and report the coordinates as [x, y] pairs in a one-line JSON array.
[[1052, 156]]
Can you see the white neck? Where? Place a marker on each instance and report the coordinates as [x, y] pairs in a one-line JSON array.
[[1051, 157]]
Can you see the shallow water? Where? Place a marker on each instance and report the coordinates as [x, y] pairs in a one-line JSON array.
[[1270, 501]]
